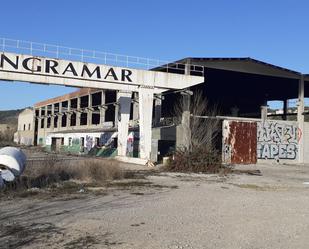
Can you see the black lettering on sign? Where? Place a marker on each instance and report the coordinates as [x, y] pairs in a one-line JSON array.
[[87, 71], [50, 65], [4, 58], [111, 73], [70, 68], [32, 69], [125, 75]]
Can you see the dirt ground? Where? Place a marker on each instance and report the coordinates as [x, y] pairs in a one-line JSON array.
[[168, 210]]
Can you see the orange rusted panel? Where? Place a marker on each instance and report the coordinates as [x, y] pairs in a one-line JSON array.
[[242, 139]]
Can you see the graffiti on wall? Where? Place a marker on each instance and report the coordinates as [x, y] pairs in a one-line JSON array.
[[277, 140]]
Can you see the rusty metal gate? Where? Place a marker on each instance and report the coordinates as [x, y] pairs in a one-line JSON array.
[[239, 142]]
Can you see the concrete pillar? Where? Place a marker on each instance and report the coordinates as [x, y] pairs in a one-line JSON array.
[[264, 110], [235, 111], [102, 109], [145, 96], [59, 116], [52, 116], [78, 113], [117, 114], [300, 117], [135, 108], [89, 110], [40, 118], [45, 117], [124, 100], [185, 120], [285, 109], [69, 114], [158, 110]]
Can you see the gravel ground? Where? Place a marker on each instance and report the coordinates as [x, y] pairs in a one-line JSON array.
[[175, 211]]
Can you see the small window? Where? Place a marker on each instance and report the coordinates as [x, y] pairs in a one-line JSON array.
[[29, 127], [24, 127]]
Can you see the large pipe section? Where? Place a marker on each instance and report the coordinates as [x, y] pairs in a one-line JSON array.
[[12, 163]]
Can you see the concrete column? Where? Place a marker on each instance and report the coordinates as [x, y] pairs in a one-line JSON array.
[[124, 100], [69, 114], [102, 109], [117, 114], [89, 110], [45, 118], [264, 110], [300, 117], [135, 108], [52, 116], [40, 118], [285, 109], [145, 121], [158, 110], [234, 111], [78, 112], [185, 120], [60, 116]]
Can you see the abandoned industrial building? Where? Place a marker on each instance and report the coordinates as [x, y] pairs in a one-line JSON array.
[[86, 121]]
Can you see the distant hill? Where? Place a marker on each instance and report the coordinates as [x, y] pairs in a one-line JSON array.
[[9, 117]]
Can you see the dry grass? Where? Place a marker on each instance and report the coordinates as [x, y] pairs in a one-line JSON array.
[[92, 170], [51, 171]]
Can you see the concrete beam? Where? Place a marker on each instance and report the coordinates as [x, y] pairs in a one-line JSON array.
[[125, 79], [124, 100]]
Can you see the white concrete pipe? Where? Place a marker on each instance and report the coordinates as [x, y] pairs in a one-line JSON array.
[[12, 162]]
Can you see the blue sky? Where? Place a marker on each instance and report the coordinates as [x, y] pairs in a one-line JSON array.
[[272, 31]]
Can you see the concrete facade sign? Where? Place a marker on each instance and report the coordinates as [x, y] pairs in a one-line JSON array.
[[19, 67]]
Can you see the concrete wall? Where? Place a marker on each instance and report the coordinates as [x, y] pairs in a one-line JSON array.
[[278, 141], [72, 142], [271, 141], [25, 128]]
